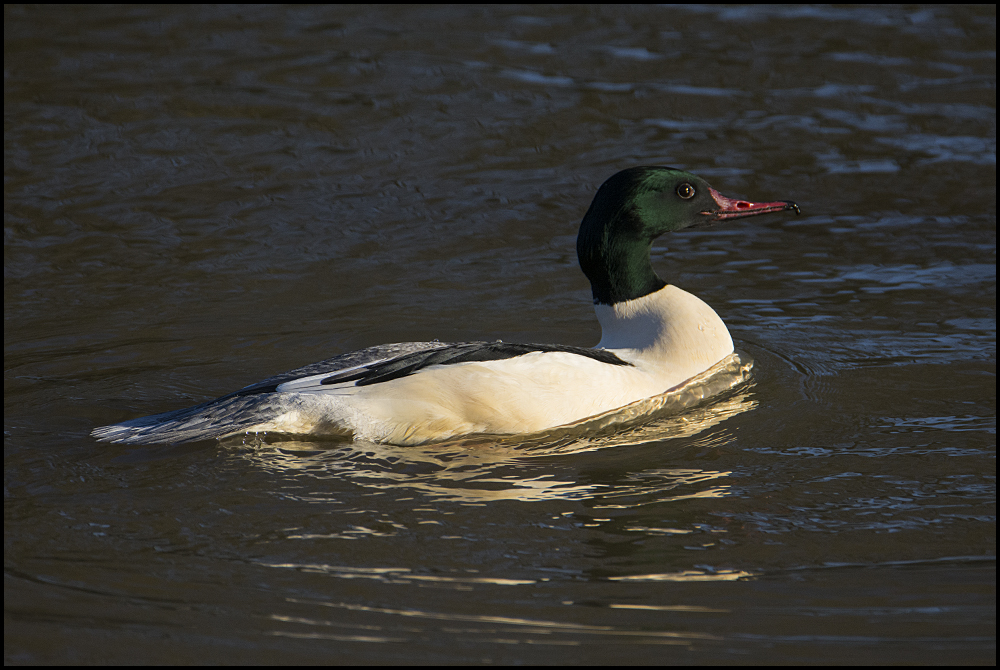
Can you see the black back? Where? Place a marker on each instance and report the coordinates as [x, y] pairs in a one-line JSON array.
[[409, 363]]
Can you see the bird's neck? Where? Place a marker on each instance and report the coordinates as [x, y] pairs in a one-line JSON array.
[[622, 273], [667, 327], [617, 265]]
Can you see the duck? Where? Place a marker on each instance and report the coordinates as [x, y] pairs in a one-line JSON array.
[[655, 337]]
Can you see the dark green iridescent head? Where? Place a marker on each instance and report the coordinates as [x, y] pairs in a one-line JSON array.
[[633, 208]]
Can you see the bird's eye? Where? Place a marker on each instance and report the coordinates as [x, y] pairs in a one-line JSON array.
[[685, 191]]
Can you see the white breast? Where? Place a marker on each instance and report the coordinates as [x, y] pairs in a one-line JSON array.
[[670, 333]]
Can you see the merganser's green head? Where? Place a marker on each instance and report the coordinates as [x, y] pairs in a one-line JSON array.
[[633, 208]]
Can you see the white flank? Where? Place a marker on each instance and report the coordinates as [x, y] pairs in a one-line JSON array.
[[669, 337]]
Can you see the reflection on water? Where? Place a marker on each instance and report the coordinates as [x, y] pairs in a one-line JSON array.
[[495, 624], [481, 469], [393, 575], [686, 576]]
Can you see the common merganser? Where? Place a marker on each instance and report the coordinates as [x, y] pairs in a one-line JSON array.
[[655, 337]]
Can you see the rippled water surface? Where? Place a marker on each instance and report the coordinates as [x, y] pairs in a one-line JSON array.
[[197, 198]]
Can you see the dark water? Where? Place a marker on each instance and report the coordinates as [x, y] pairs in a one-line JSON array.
[[197, 198]]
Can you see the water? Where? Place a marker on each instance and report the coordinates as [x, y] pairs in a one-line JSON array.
[[197, 198]]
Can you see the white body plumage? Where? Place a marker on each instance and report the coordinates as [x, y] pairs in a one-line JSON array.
[[667, 337]]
